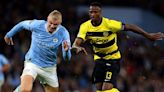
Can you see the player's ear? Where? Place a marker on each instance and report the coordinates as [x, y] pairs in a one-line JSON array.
[[60, 21], [47, 17], [60, 18]]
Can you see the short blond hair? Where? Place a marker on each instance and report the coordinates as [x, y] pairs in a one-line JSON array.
[[55, 14]]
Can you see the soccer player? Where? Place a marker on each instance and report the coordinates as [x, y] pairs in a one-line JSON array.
[[102, 33], [4, 67], [41, 58]]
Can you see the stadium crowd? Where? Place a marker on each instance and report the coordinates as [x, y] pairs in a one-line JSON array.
[[142, 62]]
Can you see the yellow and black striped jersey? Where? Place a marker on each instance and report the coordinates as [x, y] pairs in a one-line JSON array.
[[103, 38]]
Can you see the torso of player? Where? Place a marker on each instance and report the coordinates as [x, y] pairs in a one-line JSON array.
[[46, 40], [44, 45], [103, 40]]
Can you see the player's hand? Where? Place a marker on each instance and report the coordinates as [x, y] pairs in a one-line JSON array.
[[8, 41], [155, 36], [65, 45], [78, 49]]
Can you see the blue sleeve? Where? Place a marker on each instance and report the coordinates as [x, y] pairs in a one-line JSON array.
[[27, 24], [66, 54], [4, 60]]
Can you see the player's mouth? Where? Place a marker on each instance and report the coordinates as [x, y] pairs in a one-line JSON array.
[[92, 17]]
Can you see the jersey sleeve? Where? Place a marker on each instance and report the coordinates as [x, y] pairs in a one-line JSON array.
[[66, 54], [82, 31], [115, 26], [27, 24], [4, 60]]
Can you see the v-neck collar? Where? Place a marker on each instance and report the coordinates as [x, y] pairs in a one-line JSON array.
[[52, 32], [97, 25]]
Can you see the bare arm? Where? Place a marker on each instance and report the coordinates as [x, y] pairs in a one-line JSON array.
[[150, 36], [77, 46], [78, 42]]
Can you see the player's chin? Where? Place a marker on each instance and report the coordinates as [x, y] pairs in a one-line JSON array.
[[92, 18], [52, 30]]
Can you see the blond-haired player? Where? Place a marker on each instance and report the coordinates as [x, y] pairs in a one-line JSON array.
[[41, 58]]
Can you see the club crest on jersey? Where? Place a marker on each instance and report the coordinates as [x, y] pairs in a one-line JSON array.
[[55, 40], [105, 34]]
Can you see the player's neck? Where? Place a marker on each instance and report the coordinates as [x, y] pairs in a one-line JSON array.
[[97, 22], [52, 31]]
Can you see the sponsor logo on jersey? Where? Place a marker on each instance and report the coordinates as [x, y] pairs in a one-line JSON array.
[[100, 41], [105, 34]]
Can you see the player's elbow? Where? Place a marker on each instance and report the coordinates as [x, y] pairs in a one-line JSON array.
[[130, 27]]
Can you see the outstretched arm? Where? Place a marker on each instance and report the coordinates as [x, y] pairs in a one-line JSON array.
[[76, 47], [150, 36], [16, 29]]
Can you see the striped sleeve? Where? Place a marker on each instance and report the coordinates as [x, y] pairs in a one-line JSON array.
[[82, 31]]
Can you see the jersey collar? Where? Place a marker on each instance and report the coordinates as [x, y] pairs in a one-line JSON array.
[[52, 32]]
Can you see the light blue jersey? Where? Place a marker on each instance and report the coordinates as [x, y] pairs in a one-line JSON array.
[[3, 61], [44, 45]]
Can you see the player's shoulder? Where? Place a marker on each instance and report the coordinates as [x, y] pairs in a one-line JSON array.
[[63, 28], [38, 22], [106, 19], [35, 22], [86, 23], [111, 20], [62, 31]]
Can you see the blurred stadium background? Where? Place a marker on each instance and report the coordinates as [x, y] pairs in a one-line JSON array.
[[142, 64]]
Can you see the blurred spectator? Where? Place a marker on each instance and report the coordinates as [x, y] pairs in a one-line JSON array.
[[4, 67]]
